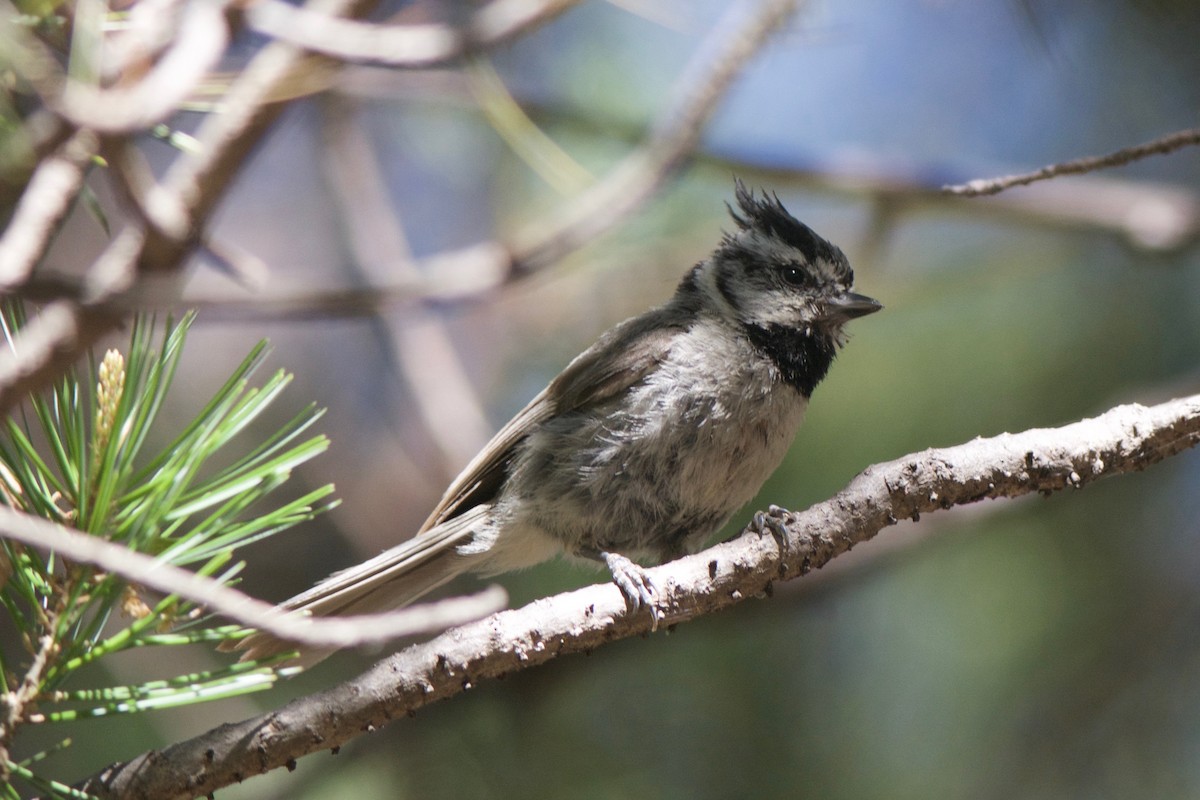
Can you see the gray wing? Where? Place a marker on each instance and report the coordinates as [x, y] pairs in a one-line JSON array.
[[621, 358]]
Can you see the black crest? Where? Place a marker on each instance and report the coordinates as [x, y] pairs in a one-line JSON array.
[[768, 215]]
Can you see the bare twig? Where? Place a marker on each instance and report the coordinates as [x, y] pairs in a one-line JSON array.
[[46, 345], [476, 270], [149, 27], [171, 580], [1125, 439], [423, 356], [201, 39], [157, 209], [1155, 216], [47, 198], [410, 46], [736, 38], [1148, 215], [28, 56], [1166, 144], [1152, 215], [17, 701], [195, 183]]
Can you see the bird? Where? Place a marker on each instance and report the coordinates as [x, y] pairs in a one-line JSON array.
[[648, 442]]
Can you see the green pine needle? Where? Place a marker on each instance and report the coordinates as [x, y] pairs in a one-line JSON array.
[[232, 681], [45, 787], [80, 455]]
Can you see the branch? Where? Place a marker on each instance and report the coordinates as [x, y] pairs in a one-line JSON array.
[[28, 56], [475, 270], [1125, 155], [1125, 439], [48, 345], [44, 204], [738, 36], [171, 580], [194, 184], [408, 46], [202, 37], [469, 272], [445, 400], [20, 697]]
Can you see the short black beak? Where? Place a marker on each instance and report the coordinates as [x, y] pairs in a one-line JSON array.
[[850, 305]]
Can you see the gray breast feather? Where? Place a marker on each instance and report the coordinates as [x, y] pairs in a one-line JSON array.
[[661, 465]]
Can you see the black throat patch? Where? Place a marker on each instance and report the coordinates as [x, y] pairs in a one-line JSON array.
[[803, 358]]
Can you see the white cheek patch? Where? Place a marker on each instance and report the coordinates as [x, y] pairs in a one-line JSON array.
[[760, 299], [770, 309]]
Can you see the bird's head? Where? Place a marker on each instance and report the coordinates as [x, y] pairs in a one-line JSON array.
[[774, 271]]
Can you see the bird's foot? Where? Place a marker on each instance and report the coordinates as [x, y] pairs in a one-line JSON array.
[[635, 584], [774, 521]]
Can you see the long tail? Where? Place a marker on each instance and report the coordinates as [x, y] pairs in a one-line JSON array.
[[392, 579]]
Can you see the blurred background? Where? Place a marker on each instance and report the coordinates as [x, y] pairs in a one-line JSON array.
[[1042, 648]]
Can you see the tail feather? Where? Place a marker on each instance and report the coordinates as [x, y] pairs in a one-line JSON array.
[[392, 579]]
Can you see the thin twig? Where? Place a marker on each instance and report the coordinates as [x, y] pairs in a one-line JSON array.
[[1166, 144], [149, 27], [225, 138], [28, 56], [1152, 216], [46, 200], [408, 46], [734, 40], [171, 580], [1124, 439], [17, 701], [738, 36], [422, 356], [201, 39], [198, 179], [37, 343], [158, 209]]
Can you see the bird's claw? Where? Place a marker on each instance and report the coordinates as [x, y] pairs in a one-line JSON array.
[[635, 584], [773, 521]]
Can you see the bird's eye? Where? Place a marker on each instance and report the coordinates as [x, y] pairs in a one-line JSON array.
[[794, 275]]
